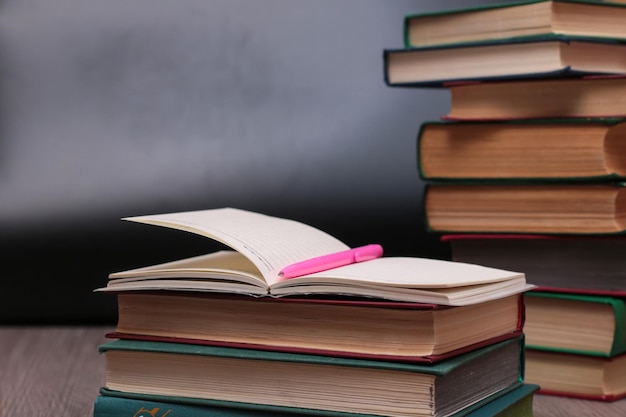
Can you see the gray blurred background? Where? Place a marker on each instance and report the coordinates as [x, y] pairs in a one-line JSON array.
[[125, 107]]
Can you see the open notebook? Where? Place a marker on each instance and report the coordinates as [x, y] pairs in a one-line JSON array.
[[263, 245]]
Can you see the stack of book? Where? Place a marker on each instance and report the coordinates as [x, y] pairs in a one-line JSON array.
[[226, 334], [525, 171]]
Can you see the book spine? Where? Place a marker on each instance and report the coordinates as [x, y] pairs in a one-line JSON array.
[[406, 32], [619, 338], [418, 151]]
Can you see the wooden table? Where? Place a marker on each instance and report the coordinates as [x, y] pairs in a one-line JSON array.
[[56, 371]]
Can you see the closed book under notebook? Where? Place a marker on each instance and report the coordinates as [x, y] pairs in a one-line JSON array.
[[531, 150], [516, 403], [347, 327], [243, 377]]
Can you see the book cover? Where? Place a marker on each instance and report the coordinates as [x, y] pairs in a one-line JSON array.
[[510, 20], [342, 327], [226, 376], [572, 150], [559, 263], [517, 402], [262, 246], [496, 207], [575, 323], [550, 56]]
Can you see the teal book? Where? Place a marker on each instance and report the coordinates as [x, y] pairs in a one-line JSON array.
[[585, 324], [516, 403], [514, 19], [244, 378], [534, 57], [525, 208], [526, 150]]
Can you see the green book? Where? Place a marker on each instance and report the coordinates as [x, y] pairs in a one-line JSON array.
[[529, 150], [289, 382], [515, 19], [516, 403], [575, 323]]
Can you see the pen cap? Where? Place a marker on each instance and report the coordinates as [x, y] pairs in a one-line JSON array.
[[368, 252]]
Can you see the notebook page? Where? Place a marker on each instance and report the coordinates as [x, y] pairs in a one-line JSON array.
[[271, 243], [408, 272]]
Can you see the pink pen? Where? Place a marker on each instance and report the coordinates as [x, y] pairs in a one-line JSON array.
[[333, 260]]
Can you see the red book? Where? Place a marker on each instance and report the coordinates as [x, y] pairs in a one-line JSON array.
[[342, 327]]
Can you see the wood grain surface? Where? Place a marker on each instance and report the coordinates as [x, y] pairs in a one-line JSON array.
[[57, 371]]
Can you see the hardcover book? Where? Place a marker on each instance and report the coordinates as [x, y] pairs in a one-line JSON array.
[[516, 403], [543, 57], [575, 323], [227, 376], [263, 245], [580, 376], [576, 263], [584, 97], [515, 19], [531, 150], [526, 208], [341, 327]]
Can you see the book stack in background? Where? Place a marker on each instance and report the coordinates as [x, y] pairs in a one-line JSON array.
[[384, 337], [525, 172]]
